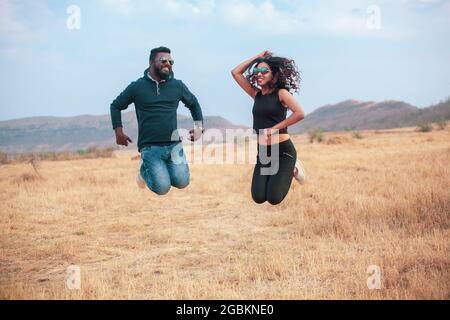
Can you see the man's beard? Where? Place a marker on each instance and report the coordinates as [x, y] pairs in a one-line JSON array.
[[162, 75]]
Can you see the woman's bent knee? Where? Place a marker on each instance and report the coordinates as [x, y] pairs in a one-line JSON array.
[[259, 198], [275, 199]]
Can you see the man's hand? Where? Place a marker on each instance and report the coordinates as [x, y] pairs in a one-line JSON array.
[[121, 138], [195, 134]]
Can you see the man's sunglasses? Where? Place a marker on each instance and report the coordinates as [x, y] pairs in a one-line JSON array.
[[263, 70], [165, 60]]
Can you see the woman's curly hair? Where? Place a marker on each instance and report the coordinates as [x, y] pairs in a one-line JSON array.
[[284, 71]]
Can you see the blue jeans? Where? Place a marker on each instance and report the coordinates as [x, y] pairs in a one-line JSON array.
[[164, 166]]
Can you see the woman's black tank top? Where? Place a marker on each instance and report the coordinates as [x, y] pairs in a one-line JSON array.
[[268, 111]]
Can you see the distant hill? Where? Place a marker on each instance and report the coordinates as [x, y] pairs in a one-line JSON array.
[[358, 115], [38, 134]]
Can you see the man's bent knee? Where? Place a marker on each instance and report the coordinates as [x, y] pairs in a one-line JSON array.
[[181, 185], [160, 189]]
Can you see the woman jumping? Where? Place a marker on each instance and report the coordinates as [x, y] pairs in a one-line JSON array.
[[270, 81]]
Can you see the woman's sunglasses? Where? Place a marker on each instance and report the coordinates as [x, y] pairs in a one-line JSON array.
[[165, 60], [263, 70]]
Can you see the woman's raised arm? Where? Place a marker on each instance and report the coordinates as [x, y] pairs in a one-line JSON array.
[[238, 74]]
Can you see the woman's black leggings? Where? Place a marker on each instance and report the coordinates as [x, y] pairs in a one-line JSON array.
[[273, 175]]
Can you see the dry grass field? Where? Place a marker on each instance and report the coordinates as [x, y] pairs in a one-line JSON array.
[[382, 200]]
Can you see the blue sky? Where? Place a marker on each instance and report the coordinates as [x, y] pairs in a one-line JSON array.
[[352, 49]]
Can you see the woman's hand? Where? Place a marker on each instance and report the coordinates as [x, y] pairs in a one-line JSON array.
[[264, 54], [238, 73], [270, 134]]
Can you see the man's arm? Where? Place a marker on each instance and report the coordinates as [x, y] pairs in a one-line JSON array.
[[121, 103], [191, 102]]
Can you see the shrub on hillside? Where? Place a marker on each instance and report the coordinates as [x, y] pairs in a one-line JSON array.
[[442, 125], [316, 134], [357, 135], [3, 158], [425, 127], [90, 153]]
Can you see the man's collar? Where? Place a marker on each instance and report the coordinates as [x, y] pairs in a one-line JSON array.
[[150, 77]]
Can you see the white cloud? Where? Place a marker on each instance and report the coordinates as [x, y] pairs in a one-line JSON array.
[[429, 2], [178, 9], [188, 9], [264, 17], [336, 18], [122, 7], [341, 18], [21, 24], [251, 14], [11, 24], [277, 17]]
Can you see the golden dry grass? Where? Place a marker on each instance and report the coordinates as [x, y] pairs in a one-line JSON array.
[[383, 200]]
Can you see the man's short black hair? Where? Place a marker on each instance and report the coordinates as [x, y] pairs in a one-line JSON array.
[[155, 51]]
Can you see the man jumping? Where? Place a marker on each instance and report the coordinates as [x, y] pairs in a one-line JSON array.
[[156, 96]]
